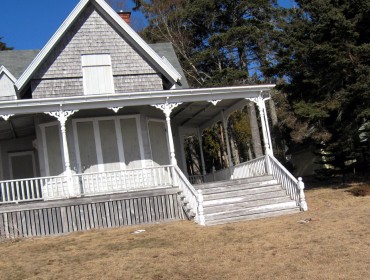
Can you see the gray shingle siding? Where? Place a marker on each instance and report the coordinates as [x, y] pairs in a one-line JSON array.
[[61, 73]]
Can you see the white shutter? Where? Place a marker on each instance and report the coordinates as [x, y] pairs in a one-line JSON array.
[[97, 74]]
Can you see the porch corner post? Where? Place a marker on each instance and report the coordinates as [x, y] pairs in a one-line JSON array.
[[62, 117], [201, 152], [260, 101]]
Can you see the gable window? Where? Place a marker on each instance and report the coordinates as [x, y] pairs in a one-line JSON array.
[[97, 74]]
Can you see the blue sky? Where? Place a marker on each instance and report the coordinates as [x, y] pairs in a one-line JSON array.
[[30, 24]]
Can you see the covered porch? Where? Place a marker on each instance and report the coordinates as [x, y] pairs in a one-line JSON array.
[[150, 160]]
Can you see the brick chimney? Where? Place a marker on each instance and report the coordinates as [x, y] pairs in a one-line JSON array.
[[126, 16]]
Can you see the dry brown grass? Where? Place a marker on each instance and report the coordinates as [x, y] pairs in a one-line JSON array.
[[334, 244]]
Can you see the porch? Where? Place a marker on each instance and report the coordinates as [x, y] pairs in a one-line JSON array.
[[44, 206], [112, 145]]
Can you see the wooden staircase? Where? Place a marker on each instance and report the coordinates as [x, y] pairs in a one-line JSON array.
[[245, 199]]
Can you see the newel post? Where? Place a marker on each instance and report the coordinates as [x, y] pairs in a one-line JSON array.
[[302, 197], [201, 219]]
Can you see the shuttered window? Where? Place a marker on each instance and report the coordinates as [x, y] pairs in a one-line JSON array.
[[97, 74]]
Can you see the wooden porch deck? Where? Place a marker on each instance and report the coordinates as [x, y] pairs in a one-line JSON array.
[[78, 214]]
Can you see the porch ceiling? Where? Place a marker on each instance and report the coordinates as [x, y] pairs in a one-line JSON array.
[[199, 114], [17, 126]]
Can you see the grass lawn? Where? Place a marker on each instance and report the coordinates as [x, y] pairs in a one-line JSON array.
[[330, 241]]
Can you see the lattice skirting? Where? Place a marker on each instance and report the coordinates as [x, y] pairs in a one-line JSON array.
[[79, 214]]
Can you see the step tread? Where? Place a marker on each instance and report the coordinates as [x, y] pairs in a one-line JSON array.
[[243, 198], [251, 210], [222, 208], [252, 217], [234, 181], [238, 193], [240, 186]]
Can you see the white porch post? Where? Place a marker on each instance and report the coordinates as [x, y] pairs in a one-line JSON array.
[[62, 117], [224, 123], [260, 101], [167, 109], [201, 152]]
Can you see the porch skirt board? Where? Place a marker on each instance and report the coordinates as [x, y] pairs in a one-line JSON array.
[[80, 214]]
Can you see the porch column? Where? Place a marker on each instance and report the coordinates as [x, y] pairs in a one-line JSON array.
[[201, 152], [62, 117], [167, 109], [260, 101], [224, 123]]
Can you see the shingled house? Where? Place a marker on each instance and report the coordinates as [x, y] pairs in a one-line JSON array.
[[92, 129]]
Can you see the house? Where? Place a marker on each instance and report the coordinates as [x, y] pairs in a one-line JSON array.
[[92, 129]]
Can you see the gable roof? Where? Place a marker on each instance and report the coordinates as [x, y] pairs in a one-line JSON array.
[[17, 61], [144, 49], [7, 73]]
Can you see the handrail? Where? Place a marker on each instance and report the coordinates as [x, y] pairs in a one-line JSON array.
[[194, 197], [293, 187]]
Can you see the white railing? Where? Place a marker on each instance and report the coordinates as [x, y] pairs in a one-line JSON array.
[[254, 167], [123, 180], [193, 197], [289, 183], [196, 179], [22, 190]]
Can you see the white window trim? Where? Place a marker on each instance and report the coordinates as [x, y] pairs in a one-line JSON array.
[[150, 142], [119, 139], [110, 72], [44, 145], [15, 154]]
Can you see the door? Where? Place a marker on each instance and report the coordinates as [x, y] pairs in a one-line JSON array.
[[22, 165]]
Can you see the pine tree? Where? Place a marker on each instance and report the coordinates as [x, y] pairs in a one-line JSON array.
[[3, 46], [323, 57]]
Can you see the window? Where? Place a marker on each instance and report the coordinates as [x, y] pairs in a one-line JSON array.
[[97, 74]]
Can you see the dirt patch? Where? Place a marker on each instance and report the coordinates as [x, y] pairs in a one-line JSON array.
[[360, 190], [330, 241]]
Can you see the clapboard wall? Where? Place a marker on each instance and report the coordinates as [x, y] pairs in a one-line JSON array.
[[64, 216]]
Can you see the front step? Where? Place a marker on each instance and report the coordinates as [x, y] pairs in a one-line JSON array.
[[245, 199]]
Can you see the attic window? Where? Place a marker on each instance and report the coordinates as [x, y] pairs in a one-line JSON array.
[[97, 74]]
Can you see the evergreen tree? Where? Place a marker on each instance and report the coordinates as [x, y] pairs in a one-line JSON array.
[[323, 58], [3, 46]]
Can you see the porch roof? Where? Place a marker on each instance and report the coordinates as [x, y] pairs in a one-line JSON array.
[[195, 109]]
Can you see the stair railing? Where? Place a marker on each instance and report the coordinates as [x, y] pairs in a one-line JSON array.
[[254, 167], [194, 198], [293, 187]]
